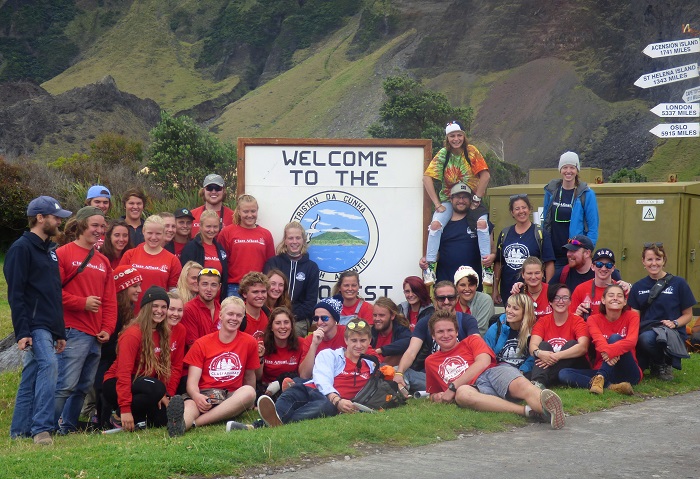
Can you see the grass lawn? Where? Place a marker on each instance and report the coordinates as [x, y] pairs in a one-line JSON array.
[[210, 451]]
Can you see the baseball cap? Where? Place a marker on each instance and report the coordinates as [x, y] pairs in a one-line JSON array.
[[213, 179], [578, 242], [98, 191], [604, 253], [460, 188], [184, 212], [46, 205]]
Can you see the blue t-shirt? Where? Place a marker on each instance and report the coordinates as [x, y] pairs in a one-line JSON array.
[[467, 327], [669, 305], [562, 204], [513, 251], [459, 246]]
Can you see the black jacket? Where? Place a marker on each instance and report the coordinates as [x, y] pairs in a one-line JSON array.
[[303, 277], [194, 251], [400, 337], [34, 286]]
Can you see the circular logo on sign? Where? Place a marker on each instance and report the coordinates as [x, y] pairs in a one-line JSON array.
[[341, 232]]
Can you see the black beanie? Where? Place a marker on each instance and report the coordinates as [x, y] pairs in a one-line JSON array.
[[153, 293]]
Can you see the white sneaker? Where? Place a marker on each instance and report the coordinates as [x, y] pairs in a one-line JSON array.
[[428, 277], [487, 276]]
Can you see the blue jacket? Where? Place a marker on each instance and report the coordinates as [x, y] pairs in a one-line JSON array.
[[34, 286], [400, 338], [497, 343], [303, 276], [194, 251], [584, 218]]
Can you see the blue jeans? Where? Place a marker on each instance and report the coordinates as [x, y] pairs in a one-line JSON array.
[[300, 402], [433, 244], [77, 366], [34, 405], [626, 370], [415, 380], [232, 290], [649, 351]]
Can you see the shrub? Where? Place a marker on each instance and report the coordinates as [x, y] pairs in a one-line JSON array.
[[15, 197]]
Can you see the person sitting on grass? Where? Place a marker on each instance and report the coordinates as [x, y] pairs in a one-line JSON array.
[[467, 374], [282, 350], [328, 334], [390, 333], [339, 374], [221, 377]]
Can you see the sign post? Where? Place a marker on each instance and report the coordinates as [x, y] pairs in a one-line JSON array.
[[676, 110], [676, 130], [671, 75], [675, 47], [692, 95]]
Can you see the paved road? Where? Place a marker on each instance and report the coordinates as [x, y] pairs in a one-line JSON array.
[[659, 438]]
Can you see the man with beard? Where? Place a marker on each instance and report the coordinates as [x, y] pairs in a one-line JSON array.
[[201, 314], [34, 294], [390, 335], [213, 193], [578, 270]]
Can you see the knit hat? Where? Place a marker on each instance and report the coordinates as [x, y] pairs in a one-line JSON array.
[[126, 275], [332, 305], [154, 293], [463, 272], [87, 211], [98, 191], [569, 158]]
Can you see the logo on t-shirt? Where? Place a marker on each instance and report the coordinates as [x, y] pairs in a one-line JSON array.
[[225, 367], [514, 254], [452, 368], [300, 276], [53, 255], [557, 343]]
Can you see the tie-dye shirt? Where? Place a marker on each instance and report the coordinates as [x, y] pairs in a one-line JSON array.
[[458, 170]]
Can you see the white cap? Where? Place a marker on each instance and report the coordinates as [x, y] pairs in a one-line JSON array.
[[463, 272], [454, 126], [569, 158]]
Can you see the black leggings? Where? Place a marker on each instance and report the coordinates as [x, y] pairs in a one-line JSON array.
[[550, 375], [146, 392]]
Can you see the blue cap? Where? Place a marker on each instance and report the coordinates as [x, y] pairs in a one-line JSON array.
[[46, 205], [98, 191]]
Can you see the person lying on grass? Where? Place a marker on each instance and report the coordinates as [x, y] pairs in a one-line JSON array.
[[221, 377], [467, 374], [338, 375]]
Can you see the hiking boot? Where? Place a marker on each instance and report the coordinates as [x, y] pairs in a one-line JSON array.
[[538, 385], [552, 406], [268, 412], [487, 276], [43, 439], [622, 388], [597, 384], [666, 372], [237, 426], [176, 416], [654, 370], [429, 274]]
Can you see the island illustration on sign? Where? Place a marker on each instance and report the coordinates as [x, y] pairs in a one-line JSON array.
[[337, 235]]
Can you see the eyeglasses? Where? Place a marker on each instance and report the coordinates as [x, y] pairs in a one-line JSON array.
[[600, 264], [352, 325], [519, 196], [213, 271], [561, 299], [325, 319], [213, 187], [651, 245], [449, 297]]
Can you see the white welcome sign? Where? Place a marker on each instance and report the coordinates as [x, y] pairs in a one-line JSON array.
[[361, 202]]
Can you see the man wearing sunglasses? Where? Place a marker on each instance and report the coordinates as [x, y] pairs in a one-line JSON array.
[[587, 295], [328, 334], [579, 268], [213, 193], [201, 314]]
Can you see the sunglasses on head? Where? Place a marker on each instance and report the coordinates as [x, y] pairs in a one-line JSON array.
[[353, 325], [651, 245], [213, 271], [600, 264], [449, 297], [213, 187], [519, 196], [325, 319], [574, 242]]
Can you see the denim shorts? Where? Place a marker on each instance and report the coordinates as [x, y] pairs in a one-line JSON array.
[[496, 380]]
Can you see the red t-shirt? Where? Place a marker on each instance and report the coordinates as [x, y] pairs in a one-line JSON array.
[[178, 247], [223, 364], [256, 327], [284, 360], [600, 329], [412, 318], [542, 306], [338, 341], [442, 368], [382, 340], [95, 280], [349, 382], [162, 269], [583, 290], [366, 311], [197, 213], [574, 328], [211, 257], [460, 309], [198, 321], [247, 249]]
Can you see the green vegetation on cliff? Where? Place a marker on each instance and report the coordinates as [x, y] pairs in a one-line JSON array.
[[333, 238]]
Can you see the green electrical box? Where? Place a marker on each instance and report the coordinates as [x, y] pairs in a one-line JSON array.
[[592, 176], [631, 214]]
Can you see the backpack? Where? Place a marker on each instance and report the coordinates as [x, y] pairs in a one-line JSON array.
[[379, 393]]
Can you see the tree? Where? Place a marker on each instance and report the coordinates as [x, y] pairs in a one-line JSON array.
[[181, 154], [413, 111], [628, 176]]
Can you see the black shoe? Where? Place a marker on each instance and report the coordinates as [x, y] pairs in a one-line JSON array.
[[176, 416]]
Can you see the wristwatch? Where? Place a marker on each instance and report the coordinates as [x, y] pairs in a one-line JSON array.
[[536, 353], [675, 323], [476, 199], [452, 387]]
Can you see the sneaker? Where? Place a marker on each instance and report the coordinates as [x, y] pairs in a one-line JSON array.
[[176, 416], [538, 385], [597, 384], [43, 439], [115, 420], [287, 383], [429, 274], [666, 372], [258, 423], [237, 426], [268, 412], [534, 415], [487, 276], [622, 388], [553, 408]]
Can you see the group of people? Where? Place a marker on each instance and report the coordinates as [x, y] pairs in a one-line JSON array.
[[190, 318]]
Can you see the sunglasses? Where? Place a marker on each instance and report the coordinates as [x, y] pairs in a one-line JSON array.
[[325, 319], [213, 271], [519, 196], [651, 245], [574, 242], [561, 299], [352, 325], [449, 297], [600, 264], [213, 188]]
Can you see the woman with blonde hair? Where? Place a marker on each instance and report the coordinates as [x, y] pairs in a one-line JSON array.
[[509, 336], [187, 283], [247, 245]]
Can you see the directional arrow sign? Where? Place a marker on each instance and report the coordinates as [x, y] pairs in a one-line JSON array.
[[676, 130], [691, 95], [668, 76], [676, 110], [676, 47]]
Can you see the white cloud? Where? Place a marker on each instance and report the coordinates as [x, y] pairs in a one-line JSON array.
[[339, 213]]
